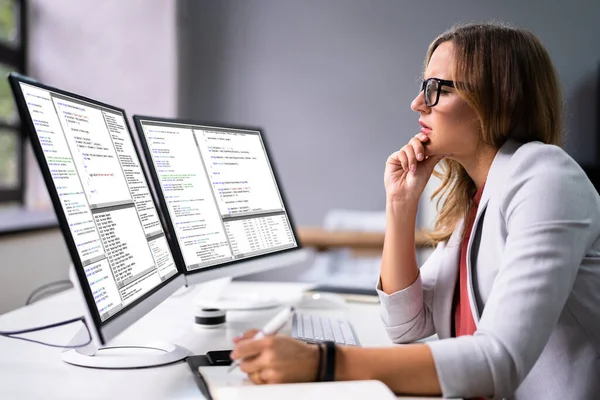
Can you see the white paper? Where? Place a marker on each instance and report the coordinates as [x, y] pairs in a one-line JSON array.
[[236, 385], [217, 377]]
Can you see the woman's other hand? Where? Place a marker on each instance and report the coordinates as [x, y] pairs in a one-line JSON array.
[[276, 359], [408, 170]]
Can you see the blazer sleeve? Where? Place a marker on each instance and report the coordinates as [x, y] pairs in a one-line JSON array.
[[407, 314], [551, 215]]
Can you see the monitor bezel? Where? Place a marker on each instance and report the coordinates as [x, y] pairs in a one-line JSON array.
[[103, 330], [137, 120]]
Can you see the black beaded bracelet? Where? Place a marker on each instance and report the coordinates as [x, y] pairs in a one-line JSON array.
[[328, 374], [320, 365]]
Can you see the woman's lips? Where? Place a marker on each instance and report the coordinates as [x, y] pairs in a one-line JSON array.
[[425, 129]]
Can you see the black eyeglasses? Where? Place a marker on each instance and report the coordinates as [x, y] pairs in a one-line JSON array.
[[431, 89]]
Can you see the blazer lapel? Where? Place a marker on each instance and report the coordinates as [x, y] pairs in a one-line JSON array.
[[494, 182], [470, 270], [496, 174], [445, 285]]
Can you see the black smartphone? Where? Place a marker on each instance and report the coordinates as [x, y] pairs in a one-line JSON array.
[[219, 357]]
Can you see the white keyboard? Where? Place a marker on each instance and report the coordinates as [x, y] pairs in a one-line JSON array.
[[314, 329]]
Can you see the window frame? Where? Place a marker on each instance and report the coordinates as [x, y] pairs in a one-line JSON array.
[[14, 54]]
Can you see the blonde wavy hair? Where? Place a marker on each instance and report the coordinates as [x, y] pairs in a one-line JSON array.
[[506, 76]]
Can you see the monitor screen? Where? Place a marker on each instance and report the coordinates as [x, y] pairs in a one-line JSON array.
[[219, 190], [104, 197]]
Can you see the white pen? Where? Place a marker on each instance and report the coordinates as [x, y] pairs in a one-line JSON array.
[[271, 328]]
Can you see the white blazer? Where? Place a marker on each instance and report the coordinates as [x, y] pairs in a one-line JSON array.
[[534, 285]]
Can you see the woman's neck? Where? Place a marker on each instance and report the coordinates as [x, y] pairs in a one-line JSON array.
[[479, 165]]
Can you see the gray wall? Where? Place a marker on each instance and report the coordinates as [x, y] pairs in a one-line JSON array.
[[119, 52], [331, 81], [30, 260]]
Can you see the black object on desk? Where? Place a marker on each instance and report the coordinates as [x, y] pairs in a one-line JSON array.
[[344, 290], [353, 294], [212, 358], [219, 357]]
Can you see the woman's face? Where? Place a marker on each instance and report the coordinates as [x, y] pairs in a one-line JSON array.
[[452, 125]]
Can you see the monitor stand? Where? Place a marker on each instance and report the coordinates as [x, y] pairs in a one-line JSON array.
[[239, 303], [122, 357], [118, 357]]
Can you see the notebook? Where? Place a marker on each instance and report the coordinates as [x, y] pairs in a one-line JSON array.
[[353, 294], [236, 385]]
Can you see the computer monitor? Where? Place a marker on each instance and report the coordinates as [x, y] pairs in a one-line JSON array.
[[220, 195], [122, 261]]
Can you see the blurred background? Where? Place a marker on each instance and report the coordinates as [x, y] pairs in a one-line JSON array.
[[330, 81]]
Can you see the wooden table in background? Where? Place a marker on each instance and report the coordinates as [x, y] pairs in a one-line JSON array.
[[359, 242]]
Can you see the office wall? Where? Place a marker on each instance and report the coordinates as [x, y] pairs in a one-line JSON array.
[[331, 81], [28, 261], [119, 52]]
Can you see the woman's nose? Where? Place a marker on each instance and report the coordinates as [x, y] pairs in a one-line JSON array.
[[418, 104]]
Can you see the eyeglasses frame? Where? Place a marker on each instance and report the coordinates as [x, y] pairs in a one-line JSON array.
[[441, 82]]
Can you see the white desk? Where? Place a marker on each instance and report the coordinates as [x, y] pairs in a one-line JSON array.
[[31, 371]]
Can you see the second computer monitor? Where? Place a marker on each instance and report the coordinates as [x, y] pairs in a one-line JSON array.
[[220, 196]]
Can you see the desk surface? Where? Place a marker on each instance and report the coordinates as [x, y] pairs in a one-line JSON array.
[[30, 371], [323, 239]]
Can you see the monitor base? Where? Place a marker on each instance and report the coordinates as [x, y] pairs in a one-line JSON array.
[[214, 294], [126, 357], [240, 303]]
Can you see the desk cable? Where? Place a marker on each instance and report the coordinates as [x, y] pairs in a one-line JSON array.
[[11, 334], [49, 287]]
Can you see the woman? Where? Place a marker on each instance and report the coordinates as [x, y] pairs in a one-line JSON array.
[[513, 287]]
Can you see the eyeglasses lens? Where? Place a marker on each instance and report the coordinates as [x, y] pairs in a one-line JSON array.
[[430, 93]]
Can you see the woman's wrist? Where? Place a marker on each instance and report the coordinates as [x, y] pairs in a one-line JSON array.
[[401, 206], [341, 373], [346, 366], [401, 214]]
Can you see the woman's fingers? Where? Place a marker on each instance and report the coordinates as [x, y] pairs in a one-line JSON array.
[[413, 152], [410, 154], [250, 347], [393, 159], [403, 159], [257, 377], [411, 157], [418, 148], [250, 364], [260, 367], [271, 375], [422, 137], [267, 375], [246, 335], [266, 367]]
